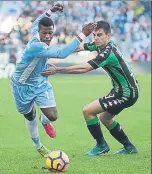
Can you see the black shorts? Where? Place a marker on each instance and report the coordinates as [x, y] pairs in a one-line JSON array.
[[114, 103]]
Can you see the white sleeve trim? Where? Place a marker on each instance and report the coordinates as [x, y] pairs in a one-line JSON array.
[[48, 13], [82, 36]]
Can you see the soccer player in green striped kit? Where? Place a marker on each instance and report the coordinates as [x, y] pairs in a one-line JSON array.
[[124, 94]]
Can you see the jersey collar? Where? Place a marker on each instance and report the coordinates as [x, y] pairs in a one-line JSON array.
[[99, 48]]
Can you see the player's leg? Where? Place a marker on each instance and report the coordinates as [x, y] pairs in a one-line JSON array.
[[32, 126], [24, 104], [49, 115], [90, 112], [113, 106], [47, 104]]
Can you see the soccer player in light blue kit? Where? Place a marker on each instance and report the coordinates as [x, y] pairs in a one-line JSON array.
[[29, 87]]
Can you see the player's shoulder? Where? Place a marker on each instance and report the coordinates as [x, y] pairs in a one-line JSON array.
[[113, 44], [39, 45], [107, 48], [106, 51], [115, 47], [36, 44]]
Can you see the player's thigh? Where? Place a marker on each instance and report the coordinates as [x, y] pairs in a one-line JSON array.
[[50, 113], [47, 104], [23, 98], [93, 108]]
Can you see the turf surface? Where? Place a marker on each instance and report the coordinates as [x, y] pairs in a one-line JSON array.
[[18, 156]]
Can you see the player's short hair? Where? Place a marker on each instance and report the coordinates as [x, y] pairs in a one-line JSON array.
[[104, 25], [46, 22]]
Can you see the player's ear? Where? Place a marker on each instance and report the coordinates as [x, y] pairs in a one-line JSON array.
[[109, 35]]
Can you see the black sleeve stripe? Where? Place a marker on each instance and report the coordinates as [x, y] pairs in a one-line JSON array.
[[47, 14], [93, 64]]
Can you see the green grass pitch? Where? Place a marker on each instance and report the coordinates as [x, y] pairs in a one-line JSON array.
[[18, 155]]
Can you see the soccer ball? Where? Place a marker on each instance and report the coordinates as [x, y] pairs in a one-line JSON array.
[[57, 161]]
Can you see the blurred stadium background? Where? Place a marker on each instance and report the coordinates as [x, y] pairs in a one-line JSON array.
[[130, 21]]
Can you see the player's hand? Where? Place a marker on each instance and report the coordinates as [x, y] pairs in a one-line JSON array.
[[57, 7], [52, 70], [88, 28], [78, 49]]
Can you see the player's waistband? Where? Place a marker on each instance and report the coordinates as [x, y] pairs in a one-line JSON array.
[[123, 92], [13, 80]]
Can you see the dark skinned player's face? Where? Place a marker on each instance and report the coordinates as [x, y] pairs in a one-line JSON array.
[[46, 34], [100, 37]]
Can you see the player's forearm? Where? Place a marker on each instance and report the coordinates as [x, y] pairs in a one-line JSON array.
[[71, 70], [80, 48], [72, 46], [69, 48]]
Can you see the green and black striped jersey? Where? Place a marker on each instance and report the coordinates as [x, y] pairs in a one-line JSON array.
[[111, 60]]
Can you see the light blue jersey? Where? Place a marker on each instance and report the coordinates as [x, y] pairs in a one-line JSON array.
[[28, 85], [35, 56]]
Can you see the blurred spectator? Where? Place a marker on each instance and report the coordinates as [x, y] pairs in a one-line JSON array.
[[135, 55], [13, 57]]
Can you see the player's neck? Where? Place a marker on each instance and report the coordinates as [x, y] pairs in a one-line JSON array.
[[103, 46]]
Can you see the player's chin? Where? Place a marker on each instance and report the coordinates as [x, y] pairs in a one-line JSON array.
[[47, 42], [98, 44]]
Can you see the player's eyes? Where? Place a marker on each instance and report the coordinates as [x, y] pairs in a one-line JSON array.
[[47, 33]]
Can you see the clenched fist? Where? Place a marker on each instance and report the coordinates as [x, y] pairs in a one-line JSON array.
[[57, 7], [88, 28]]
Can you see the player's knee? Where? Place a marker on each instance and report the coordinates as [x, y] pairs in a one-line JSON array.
[[104, 121], [86, 111], [53, 118], [52, 115], [106, 118], [31, 115]]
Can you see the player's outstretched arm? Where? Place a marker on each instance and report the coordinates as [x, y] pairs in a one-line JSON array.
[[80, 48], [90, 46], [76, 69], [55, 8], [54, 52]]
